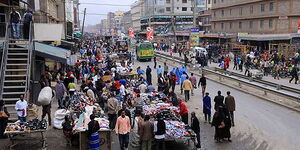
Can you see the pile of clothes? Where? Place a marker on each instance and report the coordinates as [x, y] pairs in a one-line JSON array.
[[175, 129], [32, 125], [153, 109]]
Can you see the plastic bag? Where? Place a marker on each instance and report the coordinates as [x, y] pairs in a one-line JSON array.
[[45, 96]]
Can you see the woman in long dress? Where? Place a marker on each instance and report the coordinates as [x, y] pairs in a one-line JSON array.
[[93, 135]]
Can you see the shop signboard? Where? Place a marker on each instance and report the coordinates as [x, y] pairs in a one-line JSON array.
[[194, 37], [298, 26], [150, 33]]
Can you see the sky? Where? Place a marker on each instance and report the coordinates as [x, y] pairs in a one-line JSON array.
[[101, 9]]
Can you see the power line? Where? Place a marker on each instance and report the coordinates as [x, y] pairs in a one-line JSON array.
[[105, 4]]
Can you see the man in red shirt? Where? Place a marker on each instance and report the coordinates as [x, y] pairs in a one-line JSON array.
[[184, 113]]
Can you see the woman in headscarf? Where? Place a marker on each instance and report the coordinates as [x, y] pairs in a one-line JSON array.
[[93, 135], [218, 123]]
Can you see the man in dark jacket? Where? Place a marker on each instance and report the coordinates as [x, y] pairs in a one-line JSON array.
[[15, 20], [28, 18], [219, 100], [294, 74], [230, 105], [196, 128]]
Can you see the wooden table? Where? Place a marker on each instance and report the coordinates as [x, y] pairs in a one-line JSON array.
[[13, 137]]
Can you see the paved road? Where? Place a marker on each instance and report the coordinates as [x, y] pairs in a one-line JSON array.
[[259, 124]]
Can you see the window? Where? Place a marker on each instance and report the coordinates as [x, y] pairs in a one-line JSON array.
[[230, 11], [241, 11], [168, 1], [168, 8], [215, 1], [184, 1], [208, 2], [240, 25], [177, 7], [251, 9], [222, 25], [271, 6], [222, 1], [214, 14], [271, 23], [230, 25], [261, 24], [250, 24], [192, 8], [214, 25], [262, 7], [184, 8], [222, 12]]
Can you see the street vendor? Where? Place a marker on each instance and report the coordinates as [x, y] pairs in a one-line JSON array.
[[21, 108], [184, 113]]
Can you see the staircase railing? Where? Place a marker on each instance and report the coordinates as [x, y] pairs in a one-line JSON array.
[[29, 62], [4, 57]]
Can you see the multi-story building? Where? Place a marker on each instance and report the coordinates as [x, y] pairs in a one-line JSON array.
[[170, 18], [118, 21], [126, 22], [204, 17], [137, 11], [255, 16], [110, 20], [257, 22]]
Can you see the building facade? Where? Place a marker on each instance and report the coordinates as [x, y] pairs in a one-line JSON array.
[[255, 16], [137, 11], [126, 22]]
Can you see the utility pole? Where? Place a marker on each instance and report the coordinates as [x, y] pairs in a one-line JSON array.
[[83, 21], [194, 13]]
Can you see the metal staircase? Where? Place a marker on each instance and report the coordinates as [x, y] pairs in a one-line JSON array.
[[15, 69]]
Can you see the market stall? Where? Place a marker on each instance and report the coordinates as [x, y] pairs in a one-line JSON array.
[[17, 131]]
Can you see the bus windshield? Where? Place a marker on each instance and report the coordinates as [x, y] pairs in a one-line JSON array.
[[146, 46]]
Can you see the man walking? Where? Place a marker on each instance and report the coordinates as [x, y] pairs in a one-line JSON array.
[[15, 20], [146, 133], [123, 128], [27, 19], [166, 69], [21, 108], [219, 100], [149, 75], [294, 74], [159, 70], [182, 79], [207, 108], [193, 81], [187, 87], [195, 126], [230, 105], [60, 90], [202, 82], [155, 63], [112, 104], [172, 80]]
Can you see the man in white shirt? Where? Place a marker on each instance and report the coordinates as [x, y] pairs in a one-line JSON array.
[[21, 108], [143, 87]]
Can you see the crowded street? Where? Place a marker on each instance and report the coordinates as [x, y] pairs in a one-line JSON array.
[[149, 75]]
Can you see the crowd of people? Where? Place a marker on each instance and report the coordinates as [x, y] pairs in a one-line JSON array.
[[100, 77]]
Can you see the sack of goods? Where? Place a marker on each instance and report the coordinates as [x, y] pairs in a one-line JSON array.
[[45, 96], [59, 118]]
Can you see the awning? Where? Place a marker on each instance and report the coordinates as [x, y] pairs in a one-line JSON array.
[[52, 52], [268, 37]]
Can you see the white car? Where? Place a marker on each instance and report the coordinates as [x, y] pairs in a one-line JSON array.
[[199, 50]]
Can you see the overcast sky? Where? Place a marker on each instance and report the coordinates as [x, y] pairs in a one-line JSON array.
[[101, 9]]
